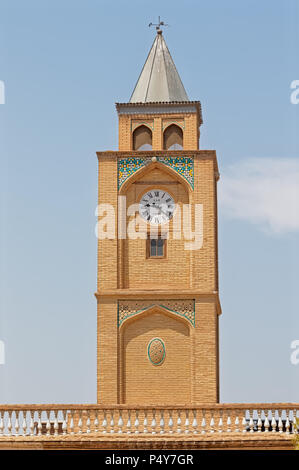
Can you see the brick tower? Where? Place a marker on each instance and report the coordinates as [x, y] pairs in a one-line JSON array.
[[157, 290]]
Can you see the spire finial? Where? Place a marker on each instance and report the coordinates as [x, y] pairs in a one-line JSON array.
[[160, 23]]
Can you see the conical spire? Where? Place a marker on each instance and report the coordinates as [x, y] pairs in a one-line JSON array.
[[159, 80]]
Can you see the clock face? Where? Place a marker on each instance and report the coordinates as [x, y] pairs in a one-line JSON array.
[[156, 207]]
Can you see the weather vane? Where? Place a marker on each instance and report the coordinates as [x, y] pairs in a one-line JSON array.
[[160, 23]]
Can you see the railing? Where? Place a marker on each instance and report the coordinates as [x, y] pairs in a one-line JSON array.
[[150, 421]]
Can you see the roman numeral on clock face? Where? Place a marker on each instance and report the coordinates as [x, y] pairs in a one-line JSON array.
[[156, 207]]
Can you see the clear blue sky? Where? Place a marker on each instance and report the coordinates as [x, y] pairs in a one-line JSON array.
[[64, 65]]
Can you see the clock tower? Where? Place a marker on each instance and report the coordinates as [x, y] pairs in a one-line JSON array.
[[157, 289]]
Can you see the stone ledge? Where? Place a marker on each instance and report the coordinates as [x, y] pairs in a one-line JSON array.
[[93, 441]]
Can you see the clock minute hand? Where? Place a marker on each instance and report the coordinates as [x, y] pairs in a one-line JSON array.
[[162, 212]]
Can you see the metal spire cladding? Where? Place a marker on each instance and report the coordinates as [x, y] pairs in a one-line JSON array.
[[159, 80]]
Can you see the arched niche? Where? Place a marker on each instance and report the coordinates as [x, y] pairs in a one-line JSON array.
[[142, 138], [141, 381], [134, 266], [173, 138]]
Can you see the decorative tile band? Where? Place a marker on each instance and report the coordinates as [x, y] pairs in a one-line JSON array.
[[182, 165], [129, 308], [128, 166], [149, 124], [166, 124]]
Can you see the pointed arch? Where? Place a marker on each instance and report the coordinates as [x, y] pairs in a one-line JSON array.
[[137, 371], [142, 138], [173, 138], [154, 308], [138, 174]]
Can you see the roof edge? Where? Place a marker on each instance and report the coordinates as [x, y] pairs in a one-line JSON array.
[[165, 104]]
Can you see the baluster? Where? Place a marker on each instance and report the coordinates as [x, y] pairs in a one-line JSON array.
[[154, 423], [280, 424], [294, 423], [244, 422], [145, 422], [212, 423], [71, 422], [179, 422], [136, 422], [31, 422], [187, 422], [9, 425], [80, 422], [104, 423], [287, 422], [194, 422], [64, 421], [220, 423], [259, 421], [228, 422], [273, 421], [251, 422], [55, 425], [48, 422], [112, 421], [96, 421], [267, 423], [170, 422], [203, 422], [88, 422], [162, 423], [1, 424], [17, 425], [237, 421], [129, 423], [120, 422], [24, 423], [39, 423]]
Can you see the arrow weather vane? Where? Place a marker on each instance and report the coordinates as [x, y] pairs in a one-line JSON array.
[[160, 23]]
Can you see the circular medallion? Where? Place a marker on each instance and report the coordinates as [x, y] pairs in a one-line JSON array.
[[156, 351]]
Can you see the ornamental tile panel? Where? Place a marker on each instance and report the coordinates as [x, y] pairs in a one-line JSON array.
[[182, 165], [182, 308]]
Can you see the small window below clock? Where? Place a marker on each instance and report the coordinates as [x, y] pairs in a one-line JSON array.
[[156, 247]]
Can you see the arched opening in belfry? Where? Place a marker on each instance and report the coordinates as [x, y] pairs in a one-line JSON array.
[[142, 138], [173, 138]]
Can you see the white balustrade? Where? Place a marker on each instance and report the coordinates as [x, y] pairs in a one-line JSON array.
[[36, 422]]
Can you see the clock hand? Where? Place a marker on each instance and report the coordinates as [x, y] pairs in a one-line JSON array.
[[163, 212]]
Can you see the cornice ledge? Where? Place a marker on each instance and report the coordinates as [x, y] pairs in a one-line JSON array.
[[144, 153], [158, 294]]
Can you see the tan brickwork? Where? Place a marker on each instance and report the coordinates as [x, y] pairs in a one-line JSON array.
[[107, 249], [107, 350], [143, 382], [157, 134], [191, 133], [125, 132], [189, 373], [205, 357], [128, 123]]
